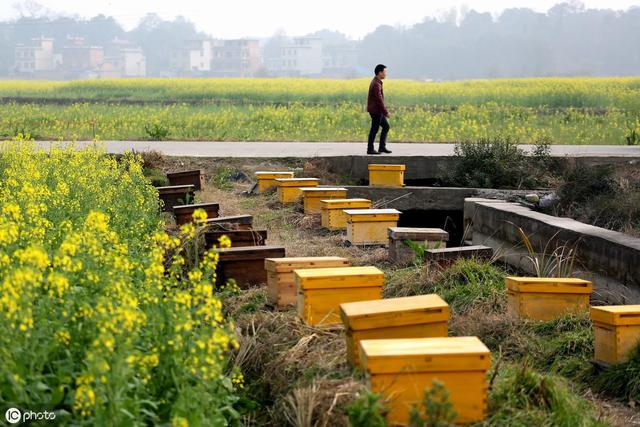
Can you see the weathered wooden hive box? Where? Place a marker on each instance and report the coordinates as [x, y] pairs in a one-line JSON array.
[[289, 188], [281, 284], [192, 177], [321, 291], [184, 213], [239, 238], [616, 331], [539, 298], [401, 369], [267, 179], [175, 195], [312, 196], [369, 226], [234, 222], [420, 316], [386, 175], [246, 264], [332, 211], [427, 238]]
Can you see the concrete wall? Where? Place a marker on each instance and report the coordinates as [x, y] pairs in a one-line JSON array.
[[608, 258]]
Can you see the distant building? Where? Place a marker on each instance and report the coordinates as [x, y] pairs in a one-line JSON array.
[[194, 58], [80, 59], [340, 60], [300, 58], [36, 58], [236, 58], [122, 59]]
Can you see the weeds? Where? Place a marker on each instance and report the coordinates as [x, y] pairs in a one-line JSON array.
[[367, 410], [559, 262], [523, 397], [621, 380], [438, 410]]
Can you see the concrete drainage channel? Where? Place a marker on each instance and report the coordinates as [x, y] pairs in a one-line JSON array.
[[611, 260]]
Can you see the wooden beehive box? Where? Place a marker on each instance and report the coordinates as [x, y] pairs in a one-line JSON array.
[[175, 195], [312, 196], [235, 222], [192, 177], [616, 331], [386, 175], [539, 298], [281, 284], [420, 316], [267, 179], [289, 188], [427, 238], [332, 211], [246, 264], [321, 291], [401, 369], [369, 226], [239, 238], [184, 213]]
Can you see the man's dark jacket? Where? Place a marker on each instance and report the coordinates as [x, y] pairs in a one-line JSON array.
[[375, 101]]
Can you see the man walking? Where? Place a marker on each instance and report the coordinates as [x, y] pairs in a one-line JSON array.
[[378, 111]]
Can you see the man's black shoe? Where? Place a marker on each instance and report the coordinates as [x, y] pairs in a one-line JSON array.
[[372, 152], [384, 150]]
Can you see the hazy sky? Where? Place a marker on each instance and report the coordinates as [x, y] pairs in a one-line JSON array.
[[258, 18]]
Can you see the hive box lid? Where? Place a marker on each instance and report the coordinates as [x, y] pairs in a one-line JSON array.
[[395, 356], [419, 234], [295, 182], [378, 167], [548, 285], [372, 215], [236, 219], [345, 203], [197, 206], [175, 189], [339, 277], [390, 312], [287, 265], [250, 252], [186, 173], [273, 174], [320, 190], [616, 314]]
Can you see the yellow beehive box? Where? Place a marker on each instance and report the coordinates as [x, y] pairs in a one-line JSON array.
[[332, 214], [322, 290], [267, 179], [402, 369], [420, 316], [616, 331], [540, 298], [289, 189], [312, 196], [281, 285], [386, 175], [369, 226]]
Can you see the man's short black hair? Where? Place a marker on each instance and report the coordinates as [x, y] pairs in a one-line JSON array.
[[379, 67]]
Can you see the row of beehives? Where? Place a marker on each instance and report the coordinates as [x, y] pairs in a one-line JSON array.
[[402, 343]]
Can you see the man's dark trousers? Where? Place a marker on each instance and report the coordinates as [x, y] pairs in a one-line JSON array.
[[377, 121]]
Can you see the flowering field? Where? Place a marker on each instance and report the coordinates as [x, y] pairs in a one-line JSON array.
[[564, 110], [98, 325]]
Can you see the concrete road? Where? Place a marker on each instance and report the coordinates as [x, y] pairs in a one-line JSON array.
[[330, 149]]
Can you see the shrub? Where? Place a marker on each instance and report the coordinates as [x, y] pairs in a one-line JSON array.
[[438, 410], [367, 411], [156, 131], [99, 325], [499, 163]]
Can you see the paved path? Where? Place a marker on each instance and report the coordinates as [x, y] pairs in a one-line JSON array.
[[331, 149]]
